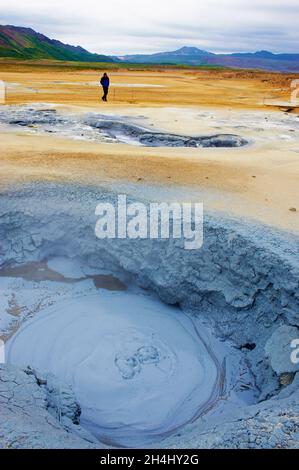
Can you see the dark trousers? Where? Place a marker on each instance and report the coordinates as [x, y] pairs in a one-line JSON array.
[[105, 89]]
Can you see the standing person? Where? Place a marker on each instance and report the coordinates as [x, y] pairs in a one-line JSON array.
[[105, 82]]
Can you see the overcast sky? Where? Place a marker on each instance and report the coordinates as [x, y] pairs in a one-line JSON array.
[[135, 26]]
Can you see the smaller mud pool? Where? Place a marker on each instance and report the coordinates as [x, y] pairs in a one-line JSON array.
[[106, 128]]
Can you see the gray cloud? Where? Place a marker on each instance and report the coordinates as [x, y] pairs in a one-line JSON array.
[[131, 26]]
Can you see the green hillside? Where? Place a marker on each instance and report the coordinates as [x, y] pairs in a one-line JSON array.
[[25, 43]]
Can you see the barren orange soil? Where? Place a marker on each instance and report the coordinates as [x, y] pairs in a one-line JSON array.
[[177, 86], [260, 181]]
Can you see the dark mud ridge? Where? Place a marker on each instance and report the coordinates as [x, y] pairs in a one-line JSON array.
[[109, 129], [117, 129]]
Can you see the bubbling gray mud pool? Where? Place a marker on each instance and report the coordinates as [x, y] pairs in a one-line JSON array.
[[107, 128], [216, 321]]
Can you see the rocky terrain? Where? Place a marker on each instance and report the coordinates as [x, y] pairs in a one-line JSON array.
[[38, 412]]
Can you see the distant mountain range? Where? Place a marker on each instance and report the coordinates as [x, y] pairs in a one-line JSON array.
[[193, 56], [25, 43]]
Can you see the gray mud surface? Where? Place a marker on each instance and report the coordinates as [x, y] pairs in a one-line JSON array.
[[105, 128], [243, 283]]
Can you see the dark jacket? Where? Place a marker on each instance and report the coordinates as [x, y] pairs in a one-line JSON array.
[[105, 82]]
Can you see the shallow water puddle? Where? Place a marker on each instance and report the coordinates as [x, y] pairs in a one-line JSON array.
[[40, 271]]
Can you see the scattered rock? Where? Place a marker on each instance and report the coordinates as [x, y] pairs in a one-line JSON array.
[[286, 379]]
